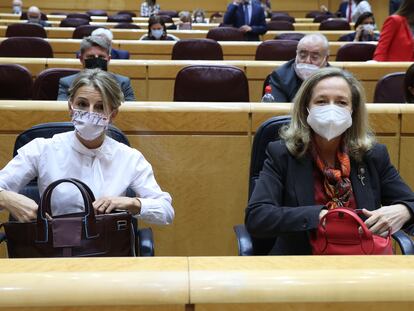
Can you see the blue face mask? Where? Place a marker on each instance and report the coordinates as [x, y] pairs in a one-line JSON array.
[[157, 33], [17, 9]]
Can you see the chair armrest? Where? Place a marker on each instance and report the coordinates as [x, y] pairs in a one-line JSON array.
[[145, 242], [405, 242], [244, 241]]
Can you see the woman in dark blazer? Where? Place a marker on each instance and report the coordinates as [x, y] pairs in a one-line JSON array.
[[328, 159], [396, 38]]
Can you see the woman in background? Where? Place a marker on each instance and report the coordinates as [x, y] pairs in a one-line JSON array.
[[157, 30], [364, 29], [199, 16], [396, 38]]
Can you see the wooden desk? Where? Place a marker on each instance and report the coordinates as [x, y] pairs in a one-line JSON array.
[[200, 154], [135, 34], [302, 283], [285, 283], [94, 284], [150, 76]]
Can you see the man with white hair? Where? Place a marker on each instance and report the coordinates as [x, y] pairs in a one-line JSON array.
[[107, 34], [312, 54], [34, 16]]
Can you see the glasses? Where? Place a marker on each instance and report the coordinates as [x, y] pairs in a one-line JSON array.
[[315, 57]]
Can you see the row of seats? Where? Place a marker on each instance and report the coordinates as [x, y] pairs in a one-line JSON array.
[[193, 83], [195, 49]]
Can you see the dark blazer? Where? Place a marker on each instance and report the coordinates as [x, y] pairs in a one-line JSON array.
[[235, 16], [124, 82], [351, 37], [285, 82], [282, 204]]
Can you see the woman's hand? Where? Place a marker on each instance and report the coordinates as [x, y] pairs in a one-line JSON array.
[[106, 205], [387, 219], [358, 33], [20, 207]]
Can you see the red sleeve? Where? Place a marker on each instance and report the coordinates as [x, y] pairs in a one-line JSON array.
[[388, 32]]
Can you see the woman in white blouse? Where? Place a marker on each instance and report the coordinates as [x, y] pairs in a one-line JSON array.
[[105, 165], [149, 8]]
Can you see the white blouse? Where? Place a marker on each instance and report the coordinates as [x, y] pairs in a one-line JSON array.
[[108, 170], [359, 9]]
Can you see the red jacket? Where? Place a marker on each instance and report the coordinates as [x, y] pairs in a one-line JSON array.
[[396, 41]]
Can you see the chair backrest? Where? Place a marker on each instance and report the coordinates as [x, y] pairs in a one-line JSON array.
[[356, 52], [266, 133], [119, 18], [25, 30], [130, 13], [97, 13], [46, 85], [225, 34], [290, 36], [79, 15], [320, 18], [334, 24], [211, 83], [313, 14], [216, 17], [127, 26], [47, 130], [197, 49], [43, 16], [83, 31], [171, 13], [276, 50], [25, 47], [282, 17], [390, 88], [73, 22], [16, 82], [166, 19], [280, 25]]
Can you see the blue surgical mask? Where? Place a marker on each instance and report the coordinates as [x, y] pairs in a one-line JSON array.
[[157, 33], [17, 9]]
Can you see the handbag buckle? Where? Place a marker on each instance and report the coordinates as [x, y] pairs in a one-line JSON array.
[[121, 225]]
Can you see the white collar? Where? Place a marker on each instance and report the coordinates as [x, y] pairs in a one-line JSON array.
[[103, 151]]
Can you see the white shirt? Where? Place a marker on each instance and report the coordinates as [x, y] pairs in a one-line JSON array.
[[108, 170], [359, 9]]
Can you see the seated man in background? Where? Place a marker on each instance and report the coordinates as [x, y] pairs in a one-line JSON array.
[[311, 55], [17, 7], [108, 35], [248, 16], [95, 53], [34, 16]]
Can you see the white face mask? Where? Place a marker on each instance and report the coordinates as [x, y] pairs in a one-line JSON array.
[[89, 125], [329, 121], [368, 27], [199, 19], [304, 70], [17, 9], [157, 33]]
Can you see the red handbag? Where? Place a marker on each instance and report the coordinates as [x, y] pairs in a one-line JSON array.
[[338, 233]]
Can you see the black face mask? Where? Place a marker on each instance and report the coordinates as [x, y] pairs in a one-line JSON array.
[[96, 62]]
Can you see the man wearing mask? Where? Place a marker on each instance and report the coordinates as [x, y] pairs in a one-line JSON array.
[[248, 16], [95, 53], [17, 7], [311, 55], [34, 16]]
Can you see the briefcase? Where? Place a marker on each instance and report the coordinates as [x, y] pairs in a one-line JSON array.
[[73, 235]]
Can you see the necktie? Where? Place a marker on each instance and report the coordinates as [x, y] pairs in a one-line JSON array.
[[246, 14], [350, 11]]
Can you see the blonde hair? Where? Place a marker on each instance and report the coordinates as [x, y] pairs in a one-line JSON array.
[[358, 138], [102, 81]]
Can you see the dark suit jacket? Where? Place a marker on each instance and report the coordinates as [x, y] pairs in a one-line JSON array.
[[124, 82], [285, 82], [235, 16], [282, 204]]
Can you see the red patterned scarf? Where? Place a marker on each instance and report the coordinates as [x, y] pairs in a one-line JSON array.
[[337, 185]]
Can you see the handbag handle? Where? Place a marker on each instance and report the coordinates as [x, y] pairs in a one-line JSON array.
[[44, 207]]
